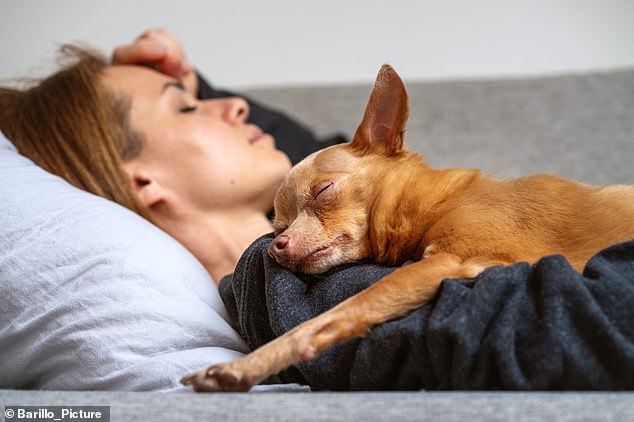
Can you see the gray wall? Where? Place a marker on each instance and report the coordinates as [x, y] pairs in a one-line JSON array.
[[246, 43]]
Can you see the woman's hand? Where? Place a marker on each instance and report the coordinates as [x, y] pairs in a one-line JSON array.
[[159, 49]]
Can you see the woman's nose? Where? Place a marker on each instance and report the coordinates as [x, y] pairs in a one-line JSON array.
[[233, 110], [236, 110]]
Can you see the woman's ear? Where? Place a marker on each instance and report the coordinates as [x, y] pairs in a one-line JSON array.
[[146, 190]]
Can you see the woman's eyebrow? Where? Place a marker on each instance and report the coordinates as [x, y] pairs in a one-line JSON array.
[[175, 84]]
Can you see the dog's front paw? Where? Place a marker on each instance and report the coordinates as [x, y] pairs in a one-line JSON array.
[[222, 377]]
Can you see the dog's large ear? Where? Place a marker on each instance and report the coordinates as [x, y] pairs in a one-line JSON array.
[[383, 126]]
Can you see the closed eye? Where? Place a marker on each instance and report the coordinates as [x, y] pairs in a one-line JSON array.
[[188, 109], [322, 189]]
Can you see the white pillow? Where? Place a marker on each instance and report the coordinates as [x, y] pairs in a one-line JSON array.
[[94, 297]]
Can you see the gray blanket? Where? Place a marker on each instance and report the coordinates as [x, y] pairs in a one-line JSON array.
[[521, 327]]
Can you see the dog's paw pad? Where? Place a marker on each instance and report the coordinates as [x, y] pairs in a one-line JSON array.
[[308, 354], [189, 379], [216, 378], [431, 250]]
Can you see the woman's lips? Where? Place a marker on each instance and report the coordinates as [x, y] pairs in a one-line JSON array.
[[257, 135]]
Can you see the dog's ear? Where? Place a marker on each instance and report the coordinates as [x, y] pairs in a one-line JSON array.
[[383, 126]]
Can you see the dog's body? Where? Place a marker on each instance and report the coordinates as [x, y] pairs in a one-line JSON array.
[[373, 199]]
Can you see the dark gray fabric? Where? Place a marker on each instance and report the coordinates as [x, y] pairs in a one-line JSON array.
[[521, 327]]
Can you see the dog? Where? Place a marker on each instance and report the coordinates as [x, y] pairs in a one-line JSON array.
[[373, 199]]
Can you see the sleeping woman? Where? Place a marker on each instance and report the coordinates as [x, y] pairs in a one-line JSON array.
[[200, 164], [146, 131]]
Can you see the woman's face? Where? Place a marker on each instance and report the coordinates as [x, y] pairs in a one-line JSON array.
[[200, 153]]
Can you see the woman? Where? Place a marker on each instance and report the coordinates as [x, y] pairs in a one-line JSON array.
[[200, 169]]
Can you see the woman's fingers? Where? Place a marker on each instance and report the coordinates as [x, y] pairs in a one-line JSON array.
[[144, 51], [159, 49]]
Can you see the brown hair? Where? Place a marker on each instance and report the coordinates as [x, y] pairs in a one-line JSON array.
[[72, 126]]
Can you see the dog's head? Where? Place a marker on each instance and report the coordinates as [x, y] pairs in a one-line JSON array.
[[323, 207]]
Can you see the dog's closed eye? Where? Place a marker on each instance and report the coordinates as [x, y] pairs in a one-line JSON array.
[[322, 188]]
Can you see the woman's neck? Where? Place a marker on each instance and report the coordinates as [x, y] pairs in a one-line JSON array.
[[219, 239]]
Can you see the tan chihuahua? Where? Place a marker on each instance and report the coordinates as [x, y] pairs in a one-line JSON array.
[[373, 199]]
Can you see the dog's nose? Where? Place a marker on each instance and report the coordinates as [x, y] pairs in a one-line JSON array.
[[276, 248]]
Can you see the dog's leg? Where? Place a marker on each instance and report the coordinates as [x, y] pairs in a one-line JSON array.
[[395, 295]]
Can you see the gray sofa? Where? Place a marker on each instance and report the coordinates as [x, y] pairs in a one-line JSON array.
[[579, 126], [386, 406]]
